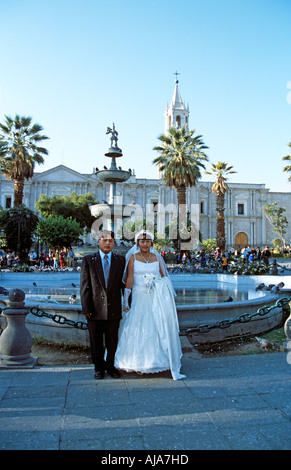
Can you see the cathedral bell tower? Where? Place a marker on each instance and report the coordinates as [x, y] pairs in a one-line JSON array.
[[177, 115]]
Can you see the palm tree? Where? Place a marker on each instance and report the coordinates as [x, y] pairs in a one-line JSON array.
[[180, 159], [19, 151], [220, 187], [288, 159]]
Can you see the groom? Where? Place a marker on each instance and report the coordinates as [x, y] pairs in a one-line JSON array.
[[100, 290]]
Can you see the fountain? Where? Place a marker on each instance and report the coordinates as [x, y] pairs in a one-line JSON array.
[[112, 211], [224, 314]]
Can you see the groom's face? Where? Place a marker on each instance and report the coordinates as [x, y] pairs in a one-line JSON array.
[[106, 244]]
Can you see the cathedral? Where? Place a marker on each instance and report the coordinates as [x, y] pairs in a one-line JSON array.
[[245, 223]]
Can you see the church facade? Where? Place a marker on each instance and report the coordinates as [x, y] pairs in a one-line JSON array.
[[245, 223]]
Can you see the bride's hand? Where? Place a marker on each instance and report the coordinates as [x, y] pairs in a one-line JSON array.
[[125, 305]]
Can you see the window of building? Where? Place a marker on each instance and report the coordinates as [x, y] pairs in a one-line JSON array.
[[8, 202], [240, 209], [202, 207]]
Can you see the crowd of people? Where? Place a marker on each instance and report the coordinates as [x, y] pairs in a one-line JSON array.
[[50, 259], [64, 258], [222, 257], [8, 258]]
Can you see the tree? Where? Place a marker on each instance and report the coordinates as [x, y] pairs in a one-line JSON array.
[[19, 151], [58, 232], [277, 219], [19, 225], [287, 168], [219, 188], [181, 157], [76, 207], [209, 245]]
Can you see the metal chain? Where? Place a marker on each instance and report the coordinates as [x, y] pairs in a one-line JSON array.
[[243, 318], [39, 312]]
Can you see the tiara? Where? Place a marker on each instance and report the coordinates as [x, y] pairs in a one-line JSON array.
[[144, 232]]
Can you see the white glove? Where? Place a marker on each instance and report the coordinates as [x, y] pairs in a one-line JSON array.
[[126, 295]]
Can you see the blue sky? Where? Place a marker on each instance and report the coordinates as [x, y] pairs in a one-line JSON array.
[[77, 66]]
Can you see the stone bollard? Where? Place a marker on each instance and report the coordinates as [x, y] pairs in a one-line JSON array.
[[15, 341], [273, 268]]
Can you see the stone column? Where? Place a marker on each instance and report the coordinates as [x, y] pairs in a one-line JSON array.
[[15, 341]]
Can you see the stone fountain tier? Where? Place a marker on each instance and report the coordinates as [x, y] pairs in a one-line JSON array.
[[113, 175], [104, 208], [114, 151]]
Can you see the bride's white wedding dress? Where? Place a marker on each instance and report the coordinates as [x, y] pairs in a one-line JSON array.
[[149, 333]]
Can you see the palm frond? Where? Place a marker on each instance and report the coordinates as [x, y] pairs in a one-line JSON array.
[[18, 150], [181, 155]]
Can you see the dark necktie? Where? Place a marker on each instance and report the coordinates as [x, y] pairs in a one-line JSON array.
[[106, 269]]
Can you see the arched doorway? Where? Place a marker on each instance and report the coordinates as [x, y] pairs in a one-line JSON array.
[[241, 240]]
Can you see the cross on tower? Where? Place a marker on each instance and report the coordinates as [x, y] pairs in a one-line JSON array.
[[176, 73]]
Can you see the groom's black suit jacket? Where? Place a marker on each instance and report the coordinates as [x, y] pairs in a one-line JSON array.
[[104, 304]]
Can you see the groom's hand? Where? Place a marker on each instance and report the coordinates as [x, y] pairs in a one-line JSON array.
[[88, 315]]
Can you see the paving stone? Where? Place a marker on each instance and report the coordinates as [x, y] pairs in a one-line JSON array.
[[225, 403]]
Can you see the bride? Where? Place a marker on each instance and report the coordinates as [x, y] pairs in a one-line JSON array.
[[149, 331]]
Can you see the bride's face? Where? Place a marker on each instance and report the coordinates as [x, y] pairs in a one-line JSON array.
[[145, 244]]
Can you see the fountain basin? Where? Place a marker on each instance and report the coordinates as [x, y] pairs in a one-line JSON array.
[[190, 316], [113, 176], [193, 315]]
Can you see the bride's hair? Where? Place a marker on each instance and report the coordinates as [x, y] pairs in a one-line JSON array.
[[143, 236]]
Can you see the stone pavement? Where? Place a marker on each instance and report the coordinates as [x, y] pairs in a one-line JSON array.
[[237, 402]]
